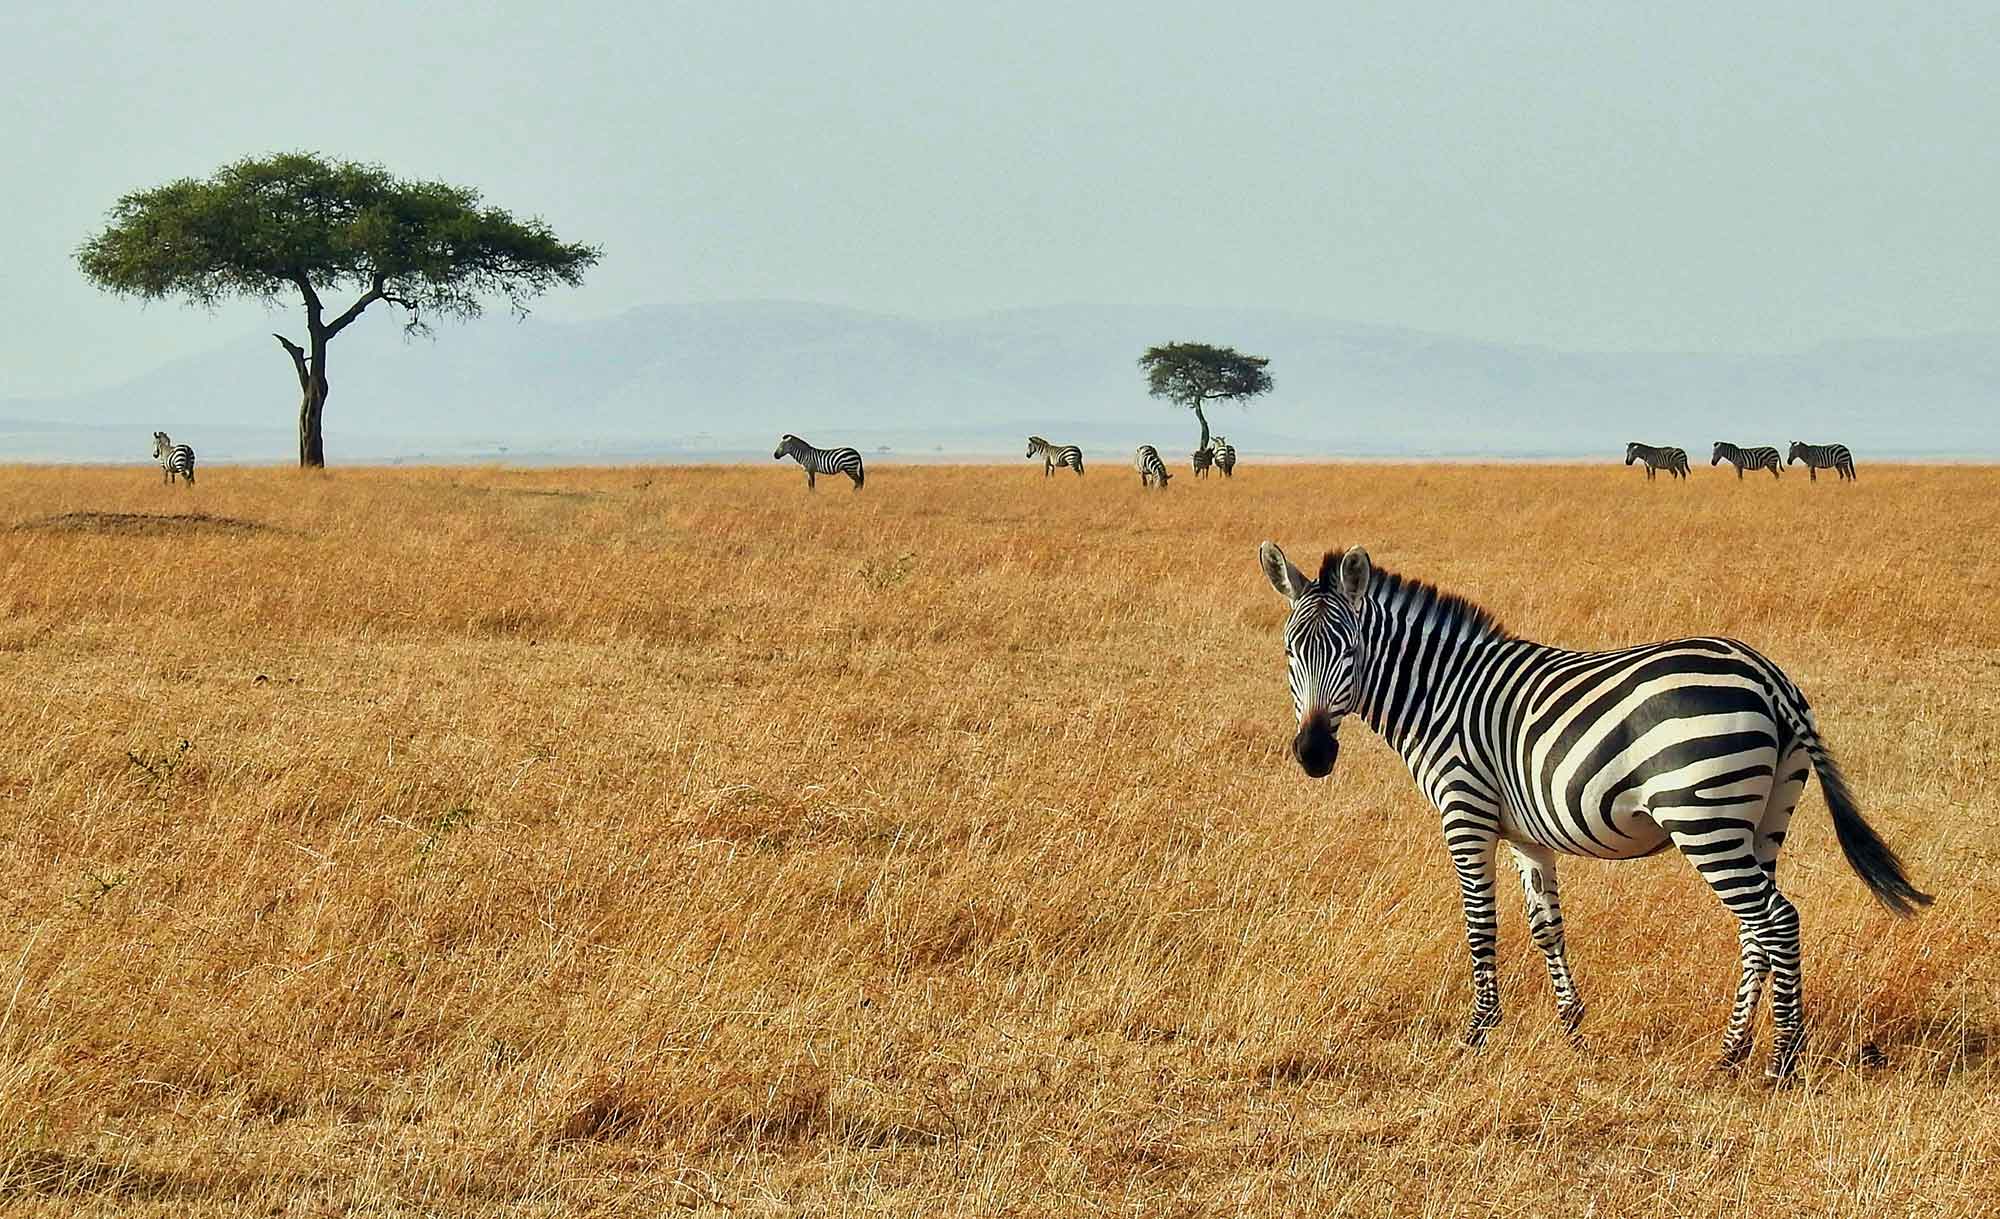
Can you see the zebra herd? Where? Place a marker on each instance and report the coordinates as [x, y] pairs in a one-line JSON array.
[[1220, 455], [1674, 461]]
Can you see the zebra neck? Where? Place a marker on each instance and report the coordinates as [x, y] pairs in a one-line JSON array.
[[1417, 643]]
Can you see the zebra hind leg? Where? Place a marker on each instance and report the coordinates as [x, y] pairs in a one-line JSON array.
[[1738, 862], [1537, 865]]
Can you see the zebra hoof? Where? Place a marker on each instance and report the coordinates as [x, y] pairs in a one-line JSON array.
[[1784, 1063], [1734, 1055], [1476, 1028], [1571, 1015]]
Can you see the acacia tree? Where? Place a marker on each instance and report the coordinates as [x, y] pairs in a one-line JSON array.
[[1191, 374], [268, 227]]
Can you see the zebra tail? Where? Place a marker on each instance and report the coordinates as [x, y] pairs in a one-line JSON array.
[[1870, 857]]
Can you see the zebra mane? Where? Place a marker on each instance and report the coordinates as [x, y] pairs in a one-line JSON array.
[[1414, 598]]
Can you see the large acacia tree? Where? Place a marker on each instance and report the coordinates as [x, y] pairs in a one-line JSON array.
[[296, 225], [1193, 374]]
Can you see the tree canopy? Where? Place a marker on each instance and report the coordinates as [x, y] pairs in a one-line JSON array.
[[1191, 375], [264, 228]]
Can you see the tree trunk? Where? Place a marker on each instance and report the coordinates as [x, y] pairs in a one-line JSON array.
[[1204, 427], [311, 370]]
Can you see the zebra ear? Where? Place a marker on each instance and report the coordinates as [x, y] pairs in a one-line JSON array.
[[1355, 572], [1288, 580]]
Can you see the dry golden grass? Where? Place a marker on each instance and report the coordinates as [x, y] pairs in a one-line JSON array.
[[559, 842]]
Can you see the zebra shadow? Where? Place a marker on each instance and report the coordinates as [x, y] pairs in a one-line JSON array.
[[142, 524]]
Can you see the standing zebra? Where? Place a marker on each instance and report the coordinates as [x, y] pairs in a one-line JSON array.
[[1658, 457], [1225, 457], [1201, 460], [1701, 744], [820, 461], [173, 458], [1819, 457], [1055, 456], [1152, 471], [1763, 457]]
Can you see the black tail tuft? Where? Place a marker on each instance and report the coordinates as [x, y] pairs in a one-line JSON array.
[[1867, 854]]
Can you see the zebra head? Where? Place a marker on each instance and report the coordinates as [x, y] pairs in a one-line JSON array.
[[162, 443], [1798, 453], [1036, 444], [1717, 459], [1631, 452], [1322, 643], [786, 444]]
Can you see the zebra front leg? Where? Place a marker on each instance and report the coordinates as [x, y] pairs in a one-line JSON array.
[[811, 483], [1472, 855], [1537, 865]]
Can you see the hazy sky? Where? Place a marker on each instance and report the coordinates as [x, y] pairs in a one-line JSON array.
[[1583, 176]]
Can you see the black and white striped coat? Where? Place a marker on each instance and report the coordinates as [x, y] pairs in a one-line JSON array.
[[1152, 471], [1055, 456], [1225, 457], [1702, 745], [1819, 457], [820, 461], [174, 459], [1201, 460], [1658, 457], [1763, 457]]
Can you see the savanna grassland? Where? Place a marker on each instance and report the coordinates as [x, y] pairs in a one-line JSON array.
[[629, 841]]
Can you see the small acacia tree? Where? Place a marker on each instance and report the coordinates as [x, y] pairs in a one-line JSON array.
[[1191, 374], [267, 227]]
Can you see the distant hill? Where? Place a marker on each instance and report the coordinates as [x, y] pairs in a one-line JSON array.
[[720, 379]]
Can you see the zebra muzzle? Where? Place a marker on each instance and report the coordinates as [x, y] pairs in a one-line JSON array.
[[1315, 746]]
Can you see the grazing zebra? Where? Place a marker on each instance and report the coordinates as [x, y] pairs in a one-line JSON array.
[[1819, 457], [173, 458], [1201, 460], [1658, 457], [1152, 471], [820, 461], [1700, 744], [1225, 457], [1763, 457], [1055, 456]]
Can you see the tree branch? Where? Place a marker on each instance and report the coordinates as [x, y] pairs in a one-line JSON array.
[[366, 299], [298, 355]]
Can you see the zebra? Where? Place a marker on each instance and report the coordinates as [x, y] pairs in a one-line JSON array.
[[1822, 457], [1700, 744], [1658, 457], [1152, 471], [1225, 457], [1763, 457], [820, 461], [1055, 456], [173, 458], [1201, 460]]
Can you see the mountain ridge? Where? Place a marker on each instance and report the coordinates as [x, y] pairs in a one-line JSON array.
[[730, 376]]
